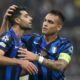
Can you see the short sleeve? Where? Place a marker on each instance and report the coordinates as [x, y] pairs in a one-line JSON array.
[[5, 42], [66, 52]]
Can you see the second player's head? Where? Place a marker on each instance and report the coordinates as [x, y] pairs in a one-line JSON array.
[[21, 17], [52, 23]]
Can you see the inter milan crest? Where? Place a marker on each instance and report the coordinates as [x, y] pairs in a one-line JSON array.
[[54, 50]]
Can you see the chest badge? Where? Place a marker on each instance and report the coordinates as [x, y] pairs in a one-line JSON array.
[[54, 50]]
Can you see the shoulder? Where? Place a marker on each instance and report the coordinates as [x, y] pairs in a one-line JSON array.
[[66, 45], [7, 36], [64, 40], [5, 40]]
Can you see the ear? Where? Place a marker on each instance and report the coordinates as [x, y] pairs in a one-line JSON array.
[[17, 20], [59, 27]]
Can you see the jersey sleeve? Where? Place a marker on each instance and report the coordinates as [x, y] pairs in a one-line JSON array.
[[5, 42], [66, 52]]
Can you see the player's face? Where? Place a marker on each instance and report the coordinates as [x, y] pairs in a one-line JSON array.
[[50, 24], [25, 20]]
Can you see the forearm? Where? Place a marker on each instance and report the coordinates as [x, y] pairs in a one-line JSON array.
[[53, 64], [4, 26], [8, 61]]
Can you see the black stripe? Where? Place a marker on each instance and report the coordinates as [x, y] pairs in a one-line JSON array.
[[31, 77], [2, 73], [49, 75], [39, 44], [40, 73], [13, 73], [29, 43]]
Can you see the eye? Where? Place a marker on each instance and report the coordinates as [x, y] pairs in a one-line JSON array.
[[50, 21], [26, 15]]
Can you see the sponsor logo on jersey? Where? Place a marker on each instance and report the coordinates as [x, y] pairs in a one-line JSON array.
[[35, 42], [2, 44], [5, 38]]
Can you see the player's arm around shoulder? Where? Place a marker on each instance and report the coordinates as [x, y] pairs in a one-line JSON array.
[[60, 64]]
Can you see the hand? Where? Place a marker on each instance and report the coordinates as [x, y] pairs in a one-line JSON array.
[[9, 11], [4, 27], [25, 54], [28, 66]]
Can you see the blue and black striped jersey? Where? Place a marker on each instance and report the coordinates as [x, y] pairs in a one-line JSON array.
[[10, 43], [55, 50]]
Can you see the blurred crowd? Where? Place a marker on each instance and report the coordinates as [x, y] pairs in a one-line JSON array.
[[71, 29]]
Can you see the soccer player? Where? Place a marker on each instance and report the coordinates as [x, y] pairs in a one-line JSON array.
[[10, 42], [51, 53]]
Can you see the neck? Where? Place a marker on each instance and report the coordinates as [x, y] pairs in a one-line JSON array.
[[18, 31], [50, 38]]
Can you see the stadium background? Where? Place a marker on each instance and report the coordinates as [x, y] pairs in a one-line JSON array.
[[71, 29]]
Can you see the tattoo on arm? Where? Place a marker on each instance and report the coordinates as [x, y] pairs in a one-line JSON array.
[[48, 63], [55, 65]]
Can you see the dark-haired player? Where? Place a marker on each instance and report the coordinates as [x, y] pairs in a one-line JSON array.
[[10, 42], [53, 51]]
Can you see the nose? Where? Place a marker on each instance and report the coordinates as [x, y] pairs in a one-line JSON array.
[[45, 24], [30, 18]]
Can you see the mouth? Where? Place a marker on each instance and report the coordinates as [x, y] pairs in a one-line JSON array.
[[30, 26], [30, 22], [44, 29]]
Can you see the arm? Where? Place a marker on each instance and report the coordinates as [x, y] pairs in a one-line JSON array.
[[59, 64], [7, 61], [54, 65], [51, 64], [5, 42], [26, 65], [4, 27]]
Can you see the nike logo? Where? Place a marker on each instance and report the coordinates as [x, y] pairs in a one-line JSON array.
[[35, 42]]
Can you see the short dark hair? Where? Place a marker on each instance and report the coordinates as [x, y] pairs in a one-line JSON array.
[[57, 13], [15, 14]]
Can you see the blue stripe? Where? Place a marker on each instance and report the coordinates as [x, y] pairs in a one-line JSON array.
[[8, 73], [44, 72]]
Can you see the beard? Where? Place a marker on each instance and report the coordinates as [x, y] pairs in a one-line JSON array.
[[29, 27]]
